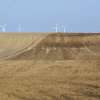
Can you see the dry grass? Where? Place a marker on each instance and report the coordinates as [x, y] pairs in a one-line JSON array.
[[10, 44], [63, 47], [59, 80], [50, 79]]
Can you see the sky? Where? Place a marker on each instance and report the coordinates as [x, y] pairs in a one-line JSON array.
[[43, 15]]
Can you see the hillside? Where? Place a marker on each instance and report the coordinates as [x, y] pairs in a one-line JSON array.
[[60, 46], [53, 66], [12, 44]]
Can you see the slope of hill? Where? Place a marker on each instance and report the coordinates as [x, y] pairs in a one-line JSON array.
[[14, 44], [60, 46], [53, 66]]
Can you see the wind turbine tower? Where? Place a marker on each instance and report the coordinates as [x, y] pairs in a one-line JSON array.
[[64, 29], [19, 28], [56, 28], [3, 27]]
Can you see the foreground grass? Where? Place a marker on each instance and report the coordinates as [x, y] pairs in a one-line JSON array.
[[48, 80]]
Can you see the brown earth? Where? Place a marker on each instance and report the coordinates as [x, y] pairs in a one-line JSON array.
[[63, 47], [50, 67]]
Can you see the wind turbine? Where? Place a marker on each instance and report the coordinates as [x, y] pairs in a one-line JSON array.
[[56, 28], [3, 27], [19, 28], [64, 28]]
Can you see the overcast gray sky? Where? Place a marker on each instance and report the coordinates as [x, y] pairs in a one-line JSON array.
[[42, 15]]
